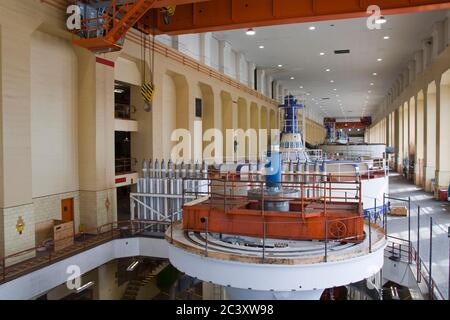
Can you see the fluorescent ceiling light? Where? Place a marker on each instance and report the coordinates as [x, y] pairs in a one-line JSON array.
[[119, 91], [250, 32], [312, 28], [381, 20], [133, 266], [386, 38], [85, 287]]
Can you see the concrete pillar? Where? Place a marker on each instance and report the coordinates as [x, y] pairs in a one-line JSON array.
[[447, 29], [96, 140], [443, 136], [224, 48], [418, 60], [406, 130], [203, 44], [438, 35], [280, 96], [175, 43], [429, 139], [251, 74], [16, 203], [419, 139], [412, 128], [269, 87], [397, 140], [427, 49], [412, 71], [261, 81], [387, 130]]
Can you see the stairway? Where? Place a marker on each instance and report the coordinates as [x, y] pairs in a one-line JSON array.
[[134, 286], [114, 25]]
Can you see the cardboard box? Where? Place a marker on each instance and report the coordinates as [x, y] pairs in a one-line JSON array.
[[399, 211]]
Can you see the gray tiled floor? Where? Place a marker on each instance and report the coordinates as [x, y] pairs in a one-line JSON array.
[[439, 211]]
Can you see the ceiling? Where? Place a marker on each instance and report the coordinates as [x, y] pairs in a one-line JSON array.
[[297, 49]]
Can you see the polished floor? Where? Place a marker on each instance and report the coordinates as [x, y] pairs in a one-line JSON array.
[[430, 208]]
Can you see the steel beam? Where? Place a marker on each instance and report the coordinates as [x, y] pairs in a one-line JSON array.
[[217, 15]]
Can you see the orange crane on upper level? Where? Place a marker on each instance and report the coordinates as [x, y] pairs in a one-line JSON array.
[[104, 24]]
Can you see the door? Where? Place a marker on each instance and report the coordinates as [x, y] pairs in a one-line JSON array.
[[67, 210]]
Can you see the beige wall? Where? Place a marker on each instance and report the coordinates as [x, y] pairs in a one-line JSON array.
[[54, 117]]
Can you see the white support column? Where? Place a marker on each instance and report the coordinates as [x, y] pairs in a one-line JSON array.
[[260, 80], [251, 74], [412, 71], [175, 43], [427, 48], [438, 38], [418, 59], [269, 87], [442, 137], [447, 30], [430, 139]]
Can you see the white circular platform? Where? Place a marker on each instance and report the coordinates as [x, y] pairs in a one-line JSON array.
[[284, 271]]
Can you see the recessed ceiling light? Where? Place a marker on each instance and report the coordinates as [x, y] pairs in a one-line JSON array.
[[337, 96], [386, 38], [312, 28], [308, 94], [332, 81], [379, 59], [322, 53], [327, 70], [381, 20], [250, 32], [374, 74], [372, 84], [261, 47], [301, 87], [280, 66], [292, 78], [370, 91]]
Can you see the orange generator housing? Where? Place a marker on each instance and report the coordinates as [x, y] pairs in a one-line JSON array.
[[341, 221]]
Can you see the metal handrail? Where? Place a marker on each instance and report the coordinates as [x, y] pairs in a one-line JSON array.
[[422, 269], [87, 239]]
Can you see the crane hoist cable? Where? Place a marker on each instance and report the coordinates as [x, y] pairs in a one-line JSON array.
[[168, 12], [148, 88]]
